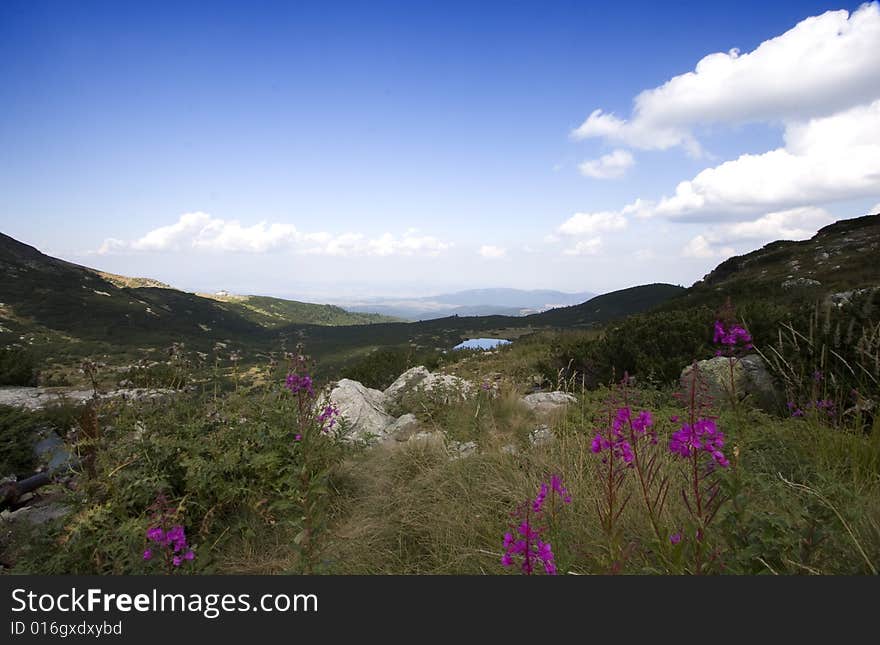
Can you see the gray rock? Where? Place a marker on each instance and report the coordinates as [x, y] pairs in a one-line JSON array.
[[750, 379], [459, 450], [36, 398], [443, 388], [403, 428], [547, 402], [541, 435], [362, 408], [796, 283]]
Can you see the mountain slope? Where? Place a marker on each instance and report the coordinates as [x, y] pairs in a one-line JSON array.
[[275, 312], [842, 256]]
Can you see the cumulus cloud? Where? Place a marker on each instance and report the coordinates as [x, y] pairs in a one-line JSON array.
[[822, 65], [823, 160], [610, 166], [201, 231], [700, 247], [793, 224], [589, 223], [585, 247], [874, 209], [492, 252]]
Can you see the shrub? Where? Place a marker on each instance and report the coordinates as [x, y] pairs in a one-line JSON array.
[[17, 367]]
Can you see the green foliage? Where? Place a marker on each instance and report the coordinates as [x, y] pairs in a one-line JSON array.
[[17, 436], [17, 367]]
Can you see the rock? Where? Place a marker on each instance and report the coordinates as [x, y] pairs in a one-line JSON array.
[[459, 450], [547, 402], [362, 408], [750, 377], [509, 449], [403, 428], [36, 398], [541, 435], [795, 283], [442, 388]]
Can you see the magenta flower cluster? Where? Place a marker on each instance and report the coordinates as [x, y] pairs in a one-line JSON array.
[[617, 442], [525, 539], [328, 417], [173, 540], [731, 337], [297, 383], [702, 435]]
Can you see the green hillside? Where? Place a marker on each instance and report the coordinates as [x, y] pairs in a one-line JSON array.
[[276, 312]]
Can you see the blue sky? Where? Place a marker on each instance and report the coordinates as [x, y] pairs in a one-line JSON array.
[[333, 151]]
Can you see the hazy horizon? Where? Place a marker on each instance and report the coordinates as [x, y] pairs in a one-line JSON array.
[[355, 151]]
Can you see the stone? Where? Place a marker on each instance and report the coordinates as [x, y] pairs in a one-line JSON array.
[[460, 450], [794, 283], [548, 402], [541, 435], [363, 410], [403, 428], [442, 388], [433, 438], [750, 378]]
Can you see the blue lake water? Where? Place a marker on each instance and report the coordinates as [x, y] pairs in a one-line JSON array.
[[481, 343]]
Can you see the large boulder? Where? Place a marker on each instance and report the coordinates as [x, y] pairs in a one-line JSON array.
[[548, 402], [750, 379], [362, 408], [442, 388]]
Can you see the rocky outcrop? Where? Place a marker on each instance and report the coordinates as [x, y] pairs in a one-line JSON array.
[[548, 402], [444, 388], [36, 398], [750, 379], [362, 408]]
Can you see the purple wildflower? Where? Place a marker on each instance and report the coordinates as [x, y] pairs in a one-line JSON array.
[[328, 417], [731, 337], [148, 554], [675, 538], [297, 383], [177, 561], [156, 534], [702, 435], [562, 491], [297, 437]]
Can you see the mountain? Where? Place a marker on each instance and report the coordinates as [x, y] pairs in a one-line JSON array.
[[64, 309], [472, 302], [276, 312], [51, 303], [840, 257]]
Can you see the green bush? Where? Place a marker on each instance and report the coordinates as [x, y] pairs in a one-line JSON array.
[[17, 428], [17, 367]]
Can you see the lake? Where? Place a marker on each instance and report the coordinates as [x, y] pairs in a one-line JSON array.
[[481, 343]]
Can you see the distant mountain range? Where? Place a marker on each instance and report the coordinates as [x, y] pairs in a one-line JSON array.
[[472, 302]]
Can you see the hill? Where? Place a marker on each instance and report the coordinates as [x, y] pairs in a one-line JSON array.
[[840, 257], [272, 312]]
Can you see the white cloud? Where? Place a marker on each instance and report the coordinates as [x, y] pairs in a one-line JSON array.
[[822, 65], [610, 166], [698, 247], [874, 209], [203, 232], [585, 247], [793, 224], [824, 160], [492, 252], [589, 223]]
